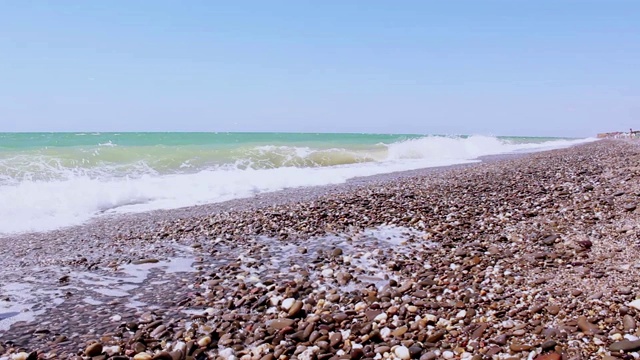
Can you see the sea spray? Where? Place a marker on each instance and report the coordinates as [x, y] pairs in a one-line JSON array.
[[48, 181]]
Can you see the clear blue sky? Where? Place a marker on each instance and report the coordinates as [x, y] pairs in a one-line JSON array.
[[539, 67]]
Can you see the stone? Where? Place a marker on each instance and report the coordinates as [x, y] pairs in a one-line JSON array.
[[429, 356], [500, 340], [204, 341], [414, 351], [278, 324], [94, 349], [624, 290], [335, 339], [628, 322], [398, 332], [630, 207], [435, 337], [549, 356], [402, 352], [162, 355], [550, 240], [625, 345], [145, 261], [635, 304], [588, 328], [553, 309], [518, 347], [548, 345], [287, 303], [295, 308], [143, 356]]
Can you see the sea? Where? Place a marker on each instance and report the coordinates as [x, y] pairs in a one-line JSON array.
[[54, 180]]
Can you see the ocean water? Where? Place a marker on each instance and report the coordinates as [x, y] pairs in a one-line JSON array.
[[53, 180]]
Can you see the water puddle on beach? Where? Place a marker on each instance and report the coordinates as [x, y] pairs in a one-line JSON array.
[[365, 254], [24, 298], [111, 295]]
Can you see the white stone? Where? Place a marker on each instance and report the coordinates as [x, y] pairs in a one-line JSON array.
[[227, 354], [631, 337], [402, 352], [635, 304], [385, 332], [287, 303], [381, 317], [327, 272], [112, 350], [431, 318], [116, 318], [360, 306], [508, 324], [210, 311], [275, 300], [616, 337], [461, 314], [447, 354], [20, 356], [180, 345]]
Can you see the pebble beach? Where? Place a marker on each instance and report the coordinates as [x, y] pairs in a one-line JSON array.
[[534, 256]]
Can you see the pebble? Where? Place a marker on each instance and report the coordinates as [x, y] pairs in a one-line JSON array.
[[94, 349], [635, 304], [287, 303], [550, 356], [143, 356], [625, 345], [628, 322], [402, 352], [204, 341]]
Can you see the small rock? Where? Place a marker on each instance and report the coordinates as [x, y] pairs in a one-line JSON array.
[[550, 356], [630, 207], [94, 349], [278, 324], [553, 309], [625, 345], [204, 341], [624, 290], [635, 304], [287, 303], [429, 356], [402, 352], [414, 351], [517, 347], [295, 308], [145, 261], [628, 322], [143, 356], [588, 328], [335, 339], [548, 345]]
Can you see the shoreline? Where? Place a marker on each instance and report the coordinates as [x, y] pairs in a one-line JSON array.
[[451, 262], [266, 199]]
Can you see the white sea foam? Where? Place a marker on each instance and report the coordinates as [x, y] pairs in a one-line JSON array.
[[72, 197]]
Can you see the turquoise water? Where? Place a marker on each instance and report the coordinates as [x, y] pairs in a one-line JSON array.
[[59, 179]]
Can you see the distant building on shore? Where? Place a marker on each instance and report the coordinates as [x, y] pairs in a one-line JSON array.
[[620, 135]]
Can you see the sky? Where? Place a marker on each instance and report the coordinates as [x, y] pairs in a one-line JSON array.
[[510, 67]]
